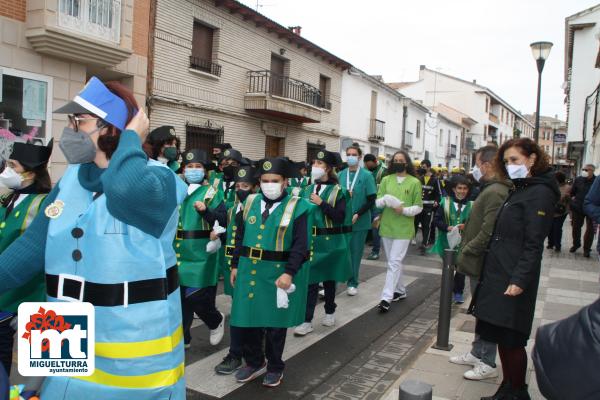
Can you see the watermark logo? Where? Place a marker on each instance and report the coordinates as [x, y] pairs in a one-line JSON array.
[[56, 339]]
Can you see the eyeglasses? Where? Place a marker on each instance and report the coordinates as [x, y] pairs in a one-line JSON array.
[[74, 120]]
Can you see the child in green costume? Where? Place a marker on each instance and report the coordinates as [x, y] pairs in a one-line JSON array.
[[454, 211]]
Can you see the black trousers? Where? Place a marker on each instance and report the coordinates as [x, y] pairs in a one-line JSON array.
[[202, 303], [425, 218], [555, 236], [235, 342], [459, 283], [588, 237], [7, 335], [274, 339], [313, 295]]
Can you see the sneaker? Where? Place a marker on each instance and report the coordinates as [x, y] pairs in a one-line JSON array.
[[247, 373], [586, 253], [399, 296], [303, 329], [321, 293], [573, 249], [216, 335], [459, 298], [480, 372], [422, 250], [272, 379], [373, 256], [557, 249], [352, 291], [384, 306], [413, 242], [549, 247], [187, 346], [328, 320], [465, 359], [228, 366]]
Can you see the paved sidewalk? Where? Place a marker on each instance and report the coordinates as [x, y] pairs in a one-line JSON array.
[[568, 282]]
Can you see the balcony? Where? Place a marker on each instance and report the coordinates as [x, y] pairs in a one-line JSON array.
[[206, 66], [494, 119], [377, 131], [85, 31], [282, 97], [451, 152]]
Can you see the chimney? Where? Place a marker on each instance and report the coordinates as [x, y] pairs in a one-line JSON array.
[[475, 81], [422, 67], [296, 29]]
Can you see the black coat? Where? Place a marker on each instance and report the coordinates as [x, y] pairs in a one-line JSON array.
[[567, 354], [581, 187], [515, 253]]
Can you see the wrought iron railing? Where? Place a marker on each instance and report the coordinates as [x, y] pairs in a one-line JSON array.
[[99, 18], [205, 66], [377, 130], [284, 86]]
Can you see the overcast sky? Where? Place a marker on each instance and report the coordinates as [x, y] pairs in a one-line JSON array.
[[471, 39]]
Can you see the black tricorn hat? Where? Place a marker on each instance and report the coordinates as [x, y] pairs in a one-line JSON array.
[[222, 146], [161, 134], [332, 158], [280, 166], [232, 154], [246, 174], [31, 155], [195, 156]]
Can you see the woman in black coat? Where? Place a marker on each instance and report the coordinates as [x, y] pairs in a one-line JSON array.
[[505, 301]]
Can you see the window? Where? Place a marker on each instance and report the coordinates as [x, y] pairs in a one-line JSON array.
[[441, 138], [25, 108], [202, 50], [485, 131], [200, 137], [487, 104], [325, 88], [418, 129], [100, 18], [278, 82], [502, 115]]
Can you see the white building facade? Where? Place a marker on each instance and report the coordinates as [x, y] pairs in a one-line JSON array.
[[443, 139], [582, 79]]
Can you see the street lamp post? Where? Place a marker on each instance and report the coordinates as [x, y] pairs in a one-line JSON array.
[[541, 51]]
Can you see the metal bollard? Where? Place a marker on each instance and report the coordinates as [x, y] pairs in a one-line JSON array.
[[443, 330], [415, 390]]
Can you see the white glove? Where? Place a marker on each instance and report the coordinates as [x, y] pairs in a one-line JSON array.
[[380, 203], [392, 201], [218, 229], [213, 246], [282, 296]]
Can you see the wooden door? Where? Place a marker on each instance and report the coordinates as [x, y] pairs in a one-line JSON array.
[[274, 146], [277, 75]]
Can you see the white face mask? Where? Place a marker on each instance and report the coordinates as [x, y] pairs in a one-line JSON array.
[[317, 173], [11, 179], [271, 190], [162, 160], [477, 174], [517, 171], [585, 174]]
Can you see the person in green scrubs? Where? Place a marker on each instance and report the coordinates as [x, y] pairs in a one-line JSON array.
[[399, 196], [26, 176], [360, 184], [330, 261]]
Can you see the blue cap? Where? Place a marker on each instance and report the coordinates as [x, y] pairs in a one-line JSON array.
[[95, 98]]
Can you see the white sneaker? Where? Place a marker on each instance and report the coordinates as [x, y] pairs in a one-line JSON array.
[[216, 335], [328, 320], [321, 293], [303, 329], [480, 372], [187, 346], [413, 242], [352, 291], [465, 359]]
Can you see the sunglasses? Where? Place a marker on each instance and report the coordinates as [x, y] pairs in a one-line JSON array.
[[74, 120]]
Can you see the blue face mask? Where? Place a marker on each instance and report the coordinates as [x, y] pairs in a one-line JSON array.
[[352, 161], [194, 175]]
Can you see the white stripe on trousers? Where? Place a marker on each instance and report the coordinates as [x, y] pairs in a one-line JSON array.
[[395, 251]]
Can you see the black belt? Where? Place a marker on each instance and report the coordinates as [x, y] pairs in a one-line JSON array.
[[112, 294], [254, 253], [332, 231], [181, 234]]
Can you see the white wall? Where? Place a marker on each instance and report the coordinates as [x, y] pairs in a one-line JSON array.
[[416, 113], [438, 145], [355, 113], [584, 79]]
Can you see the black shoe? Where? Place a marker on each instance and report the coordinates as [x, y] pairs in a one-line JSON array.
[[504, 393], [586, 253], [520, 394], [399, 296], [422, 250], [228, 366], [573, 249], [384, 306], [549, 247], [557, 249]]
